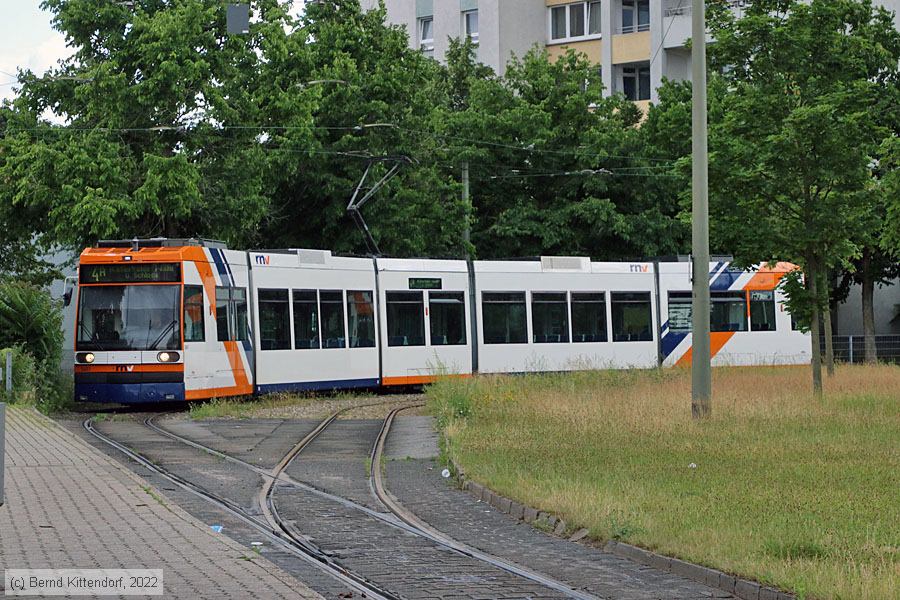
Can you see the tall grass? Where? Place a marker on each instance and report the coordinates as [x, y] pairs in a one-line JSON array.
[[793, 491]]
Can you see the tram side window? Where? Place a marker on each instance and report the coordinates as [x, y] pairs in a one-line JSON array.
[[222, 333], [361, 319], [631, 317], [549, 318], [232, 323], [194, 324], [589, 317], [680, 313], [332, 303], [306, 319], [505, 317], [274, 320], [762, 310], [728, 311], [241, 320], [448, 318], [405, 319]]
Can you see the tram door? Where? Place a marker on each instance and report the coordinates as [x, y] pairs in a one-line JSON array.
[[199, 343]]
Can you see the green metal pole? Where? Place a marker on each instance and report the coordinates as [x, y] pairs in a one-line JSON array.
[[701, 376]]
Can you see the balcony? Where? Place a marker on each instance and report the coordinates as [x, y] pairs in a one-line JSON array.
[[677, 21]]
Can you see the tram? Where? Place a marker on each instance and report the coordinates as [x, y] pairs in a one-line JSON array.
[[178, 320]]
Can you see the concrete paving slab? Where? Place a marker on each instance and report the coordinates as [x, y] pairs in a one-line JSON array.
[[414, 437], [70, 506]]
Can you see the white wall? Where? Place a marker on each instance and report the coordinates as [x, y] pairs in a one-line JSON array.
[[523, 23], [887, 305]]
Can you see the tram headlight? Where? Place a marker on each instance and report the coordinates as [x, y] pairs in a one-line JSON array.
[[88, 358], [167, 357]]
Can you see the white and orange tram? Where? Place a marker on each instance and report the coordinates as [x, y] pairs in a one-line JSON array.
[[171, 320]]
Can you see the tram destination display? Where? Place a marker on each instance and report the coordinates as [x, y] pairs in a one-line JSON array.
[[131, 273], [425, 283]]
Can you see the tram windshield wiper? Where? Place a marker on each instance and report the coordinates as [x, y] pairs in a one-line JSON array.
[[92, 336], [168, 328]]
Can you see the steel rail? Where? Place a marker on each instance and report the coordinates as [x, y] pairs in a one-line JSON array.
[[398, 516], [300, 548], [376, 483]]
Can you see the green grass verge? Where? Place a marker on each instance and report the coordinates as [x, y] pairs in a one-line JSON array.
[[792, 491]]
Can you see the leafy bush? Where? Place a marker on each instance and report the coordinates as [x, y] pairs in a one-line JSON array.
[[31, 319], [39, 384], [31, 329], [25, 375]]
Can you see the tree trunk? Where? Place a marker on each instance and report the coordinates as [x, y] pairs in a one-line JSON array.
[[868, 308], [829, 340], [812, 276]]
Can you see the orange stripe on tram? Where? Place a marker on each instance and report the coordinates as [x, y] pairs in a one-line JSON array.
[[717, 340], [242, 385], [198, 257], [419, 379], [120, 368]]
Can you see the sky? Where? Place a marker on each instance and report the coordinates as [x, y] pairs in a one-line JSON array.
[[27, 40]]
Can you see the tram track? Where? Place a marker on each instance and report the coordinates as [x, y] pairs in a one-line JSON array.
[[276, 532], [376, 481], [397, 516]]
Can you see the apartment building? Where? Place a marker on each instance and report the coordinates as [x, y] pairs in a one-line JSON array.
[[635, 43], [500, 28]]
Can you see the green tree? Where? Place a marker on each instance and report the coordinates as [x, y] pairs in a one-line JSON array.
[[877, 262], [372, 96], [890, 241], [790, 156], [160, 106], [555, 166]]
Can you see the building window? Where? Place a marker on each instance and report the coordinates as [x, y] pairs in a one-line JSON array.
[[306, 319], [549, 318], [635, 15], [575, 20], [426, 35], [361, 319], [505, 318], [594, 18], [636, 83], [405, 319], [470, 25], [332, 306], [448, 318], [589, 317], [631, 317], [193, 314], [274, 320], [558, 27]]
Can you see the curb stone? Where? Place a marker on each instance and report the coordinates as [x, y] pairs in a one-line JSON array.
[[742, 588]]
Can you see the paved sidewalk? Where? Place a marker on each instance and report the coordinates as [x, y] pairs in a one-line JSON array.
[[70, 506]]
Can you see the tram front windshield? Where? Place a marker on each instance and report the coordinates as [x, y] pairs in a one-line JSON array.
[[129, 317]]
